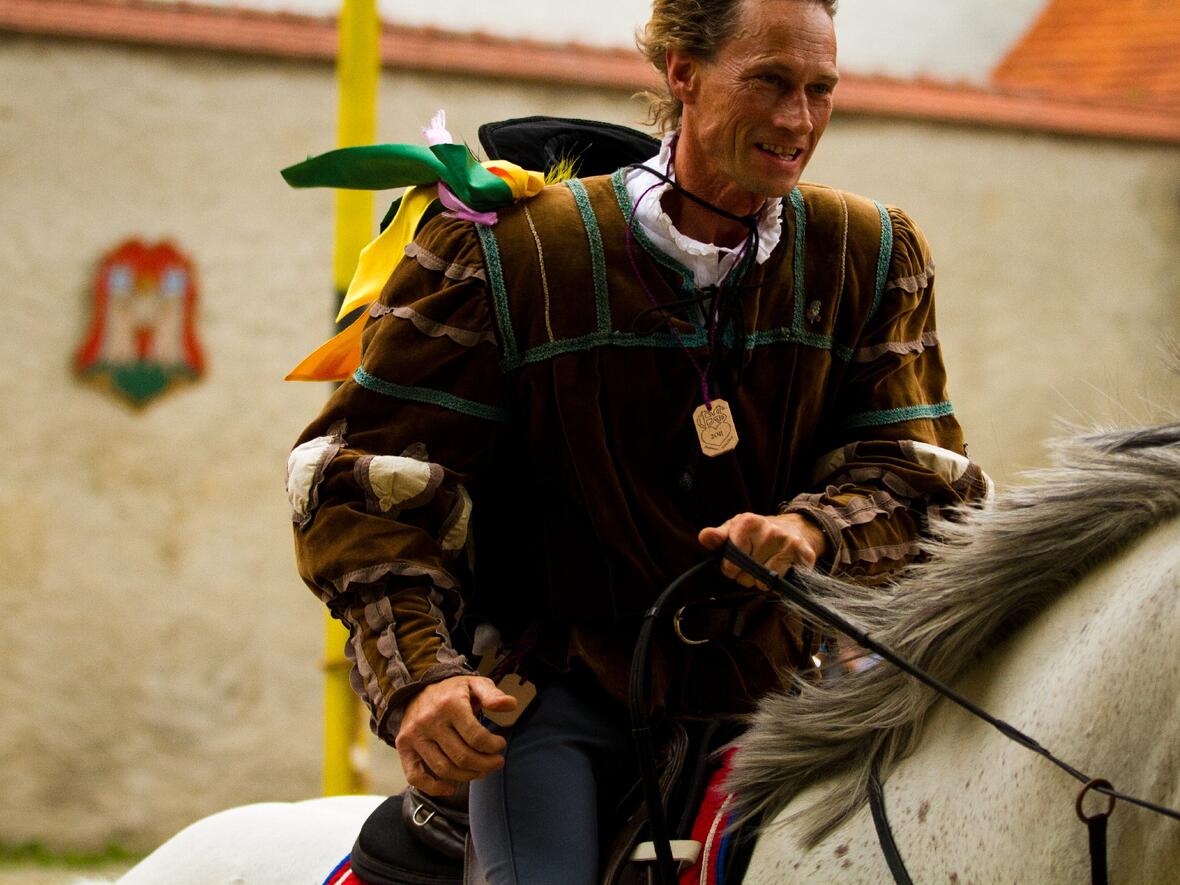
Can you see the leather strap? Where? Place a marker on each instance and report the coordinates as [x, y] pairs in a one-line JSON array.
[[1096, 827], [884, 833]]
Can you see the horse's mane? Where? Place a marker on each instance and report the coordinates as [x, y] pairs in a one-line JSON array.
[[986, 575]]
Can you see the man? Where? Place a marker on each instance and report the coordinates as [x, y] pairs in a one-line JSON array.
[[555, 415]]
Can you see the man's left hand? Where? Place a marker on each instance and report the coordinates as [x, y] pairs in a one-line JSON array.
[[778, 542]]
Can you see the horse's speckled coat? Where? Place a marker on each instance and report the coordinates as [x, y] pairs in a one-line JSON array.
[[1094, 678]]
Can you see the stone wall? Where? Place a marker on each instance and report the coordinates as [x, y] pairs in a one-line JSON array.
[[159, 656], [1058, 271]]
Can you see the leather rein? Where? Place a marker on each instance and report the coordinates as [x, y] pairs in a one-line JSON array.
[[791, 591]]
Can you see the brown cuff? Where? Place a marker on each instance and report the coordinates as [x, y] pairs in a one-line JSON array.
[[829, 523], [835, 520]]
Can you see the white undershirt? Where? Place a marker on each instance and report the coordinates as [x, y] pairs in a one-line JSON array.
[[709, 263]]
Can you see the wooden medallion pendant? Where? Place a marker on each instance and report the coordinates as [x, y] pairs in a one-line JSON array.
[[715, 429]]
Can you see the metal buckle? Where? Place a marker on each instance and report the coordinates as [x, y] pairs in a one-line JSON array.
[[678, 629], [418, 808], [1087, 818]]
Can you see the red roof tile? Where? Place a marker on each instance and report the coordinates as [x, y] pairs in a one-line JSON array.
[[255, 32], [1124, 51], [193, 26]]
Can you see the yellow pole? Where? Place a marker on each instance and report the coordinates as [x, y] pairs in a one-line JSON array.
[[358, 66], [357, 69]]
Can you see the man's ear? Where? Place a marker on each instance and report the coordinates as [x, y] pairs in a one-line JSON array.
[[682, 75]]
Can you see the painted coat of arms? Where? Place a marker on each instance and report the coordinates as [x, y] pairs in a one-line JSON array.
[[142, 338]]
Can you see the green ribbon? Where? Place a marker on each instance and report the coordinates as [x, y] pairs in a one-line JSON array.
[[382, 166]]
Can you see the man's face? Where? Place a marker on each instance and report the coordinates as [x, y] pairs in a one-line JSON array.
[[754, 114]]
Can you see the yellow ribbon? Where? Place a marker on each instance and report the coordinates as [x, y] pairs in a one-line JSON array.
[[380, 257], [524, 182], [338, 358]]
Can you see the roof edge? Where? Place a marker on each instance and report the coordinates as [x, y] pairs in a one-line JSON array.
[[287, 35], [1005, 108]]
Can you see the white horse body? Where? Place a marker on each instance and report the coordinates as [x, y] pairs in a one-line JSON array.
[[270, 843], [1093, 679]]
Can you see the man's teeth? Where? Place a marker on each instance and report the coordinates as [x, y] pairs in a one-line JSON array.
[[790, 153]]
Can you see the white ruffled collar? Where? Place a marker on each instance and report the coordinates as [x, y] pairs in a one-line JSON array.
[[709, 263]]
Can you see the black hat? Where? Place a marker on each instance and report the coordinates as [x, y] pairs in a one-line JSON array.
[[542, 142]]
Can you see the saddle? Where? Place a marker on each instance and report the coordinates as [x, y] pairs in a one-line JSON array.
[[391, 851], [414, 839]]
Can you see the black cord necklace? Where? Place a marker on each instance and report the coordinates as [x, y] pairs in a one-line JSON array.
[[724, 321]]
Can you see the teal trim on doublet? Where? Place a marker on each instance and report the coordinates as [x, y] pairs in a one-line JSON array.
[[687, 283], [791, 336], [798, 333], [896, 416], [491, 252], [659, 340], [884, 256], [429, 396], [842, 353], [604, 336], [797, 257], [597, 255]]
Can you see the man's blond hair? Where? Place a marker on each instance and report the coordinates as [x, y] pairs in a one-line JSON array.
[[694, 27]]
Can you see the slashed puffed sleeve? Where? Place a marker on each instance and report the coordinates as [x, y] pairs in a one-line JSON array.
[[378, 483], [897, 454]]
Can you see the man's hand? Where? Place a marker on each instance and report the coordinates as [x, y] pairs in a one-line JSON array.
[[778, 542], [441, 738]]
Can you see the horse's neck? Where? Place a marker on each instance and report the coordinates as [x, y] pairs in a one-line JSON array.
[[1105, 652], [1096, 679]]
